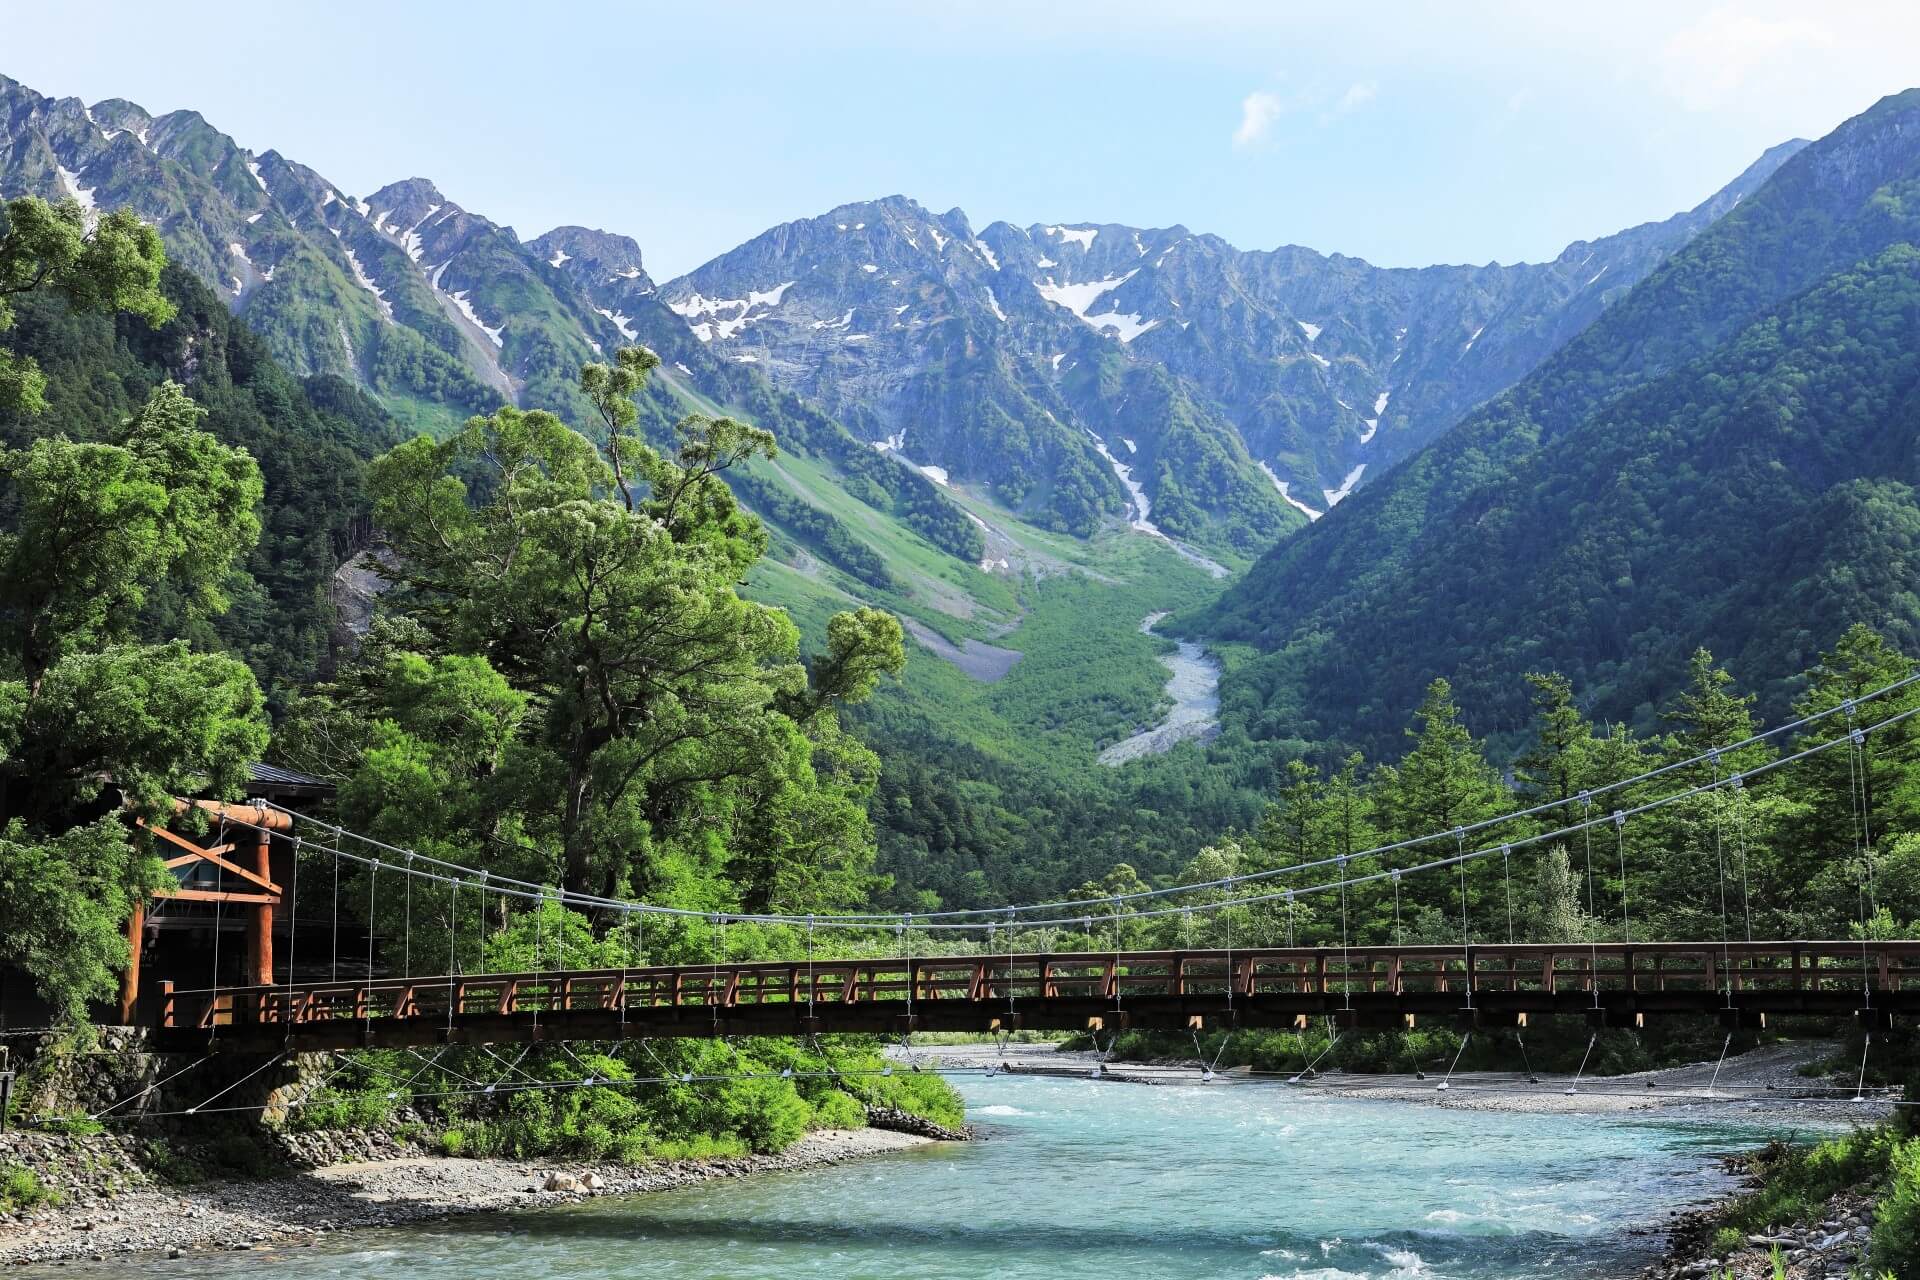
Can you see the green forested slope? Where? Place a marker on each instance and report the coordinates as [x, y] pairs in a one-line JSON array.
[[1723, 458], [311, 442]]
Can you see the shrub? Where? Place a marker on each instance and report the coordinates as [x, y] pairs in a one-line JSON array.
[[22, 1189], [453, 1142], [837, 1110], [1896, 1231], [767, 1114], [76, 1124]]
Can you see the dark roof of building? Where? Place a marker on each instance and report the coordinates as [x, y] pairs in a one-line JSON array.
[[271, 777]]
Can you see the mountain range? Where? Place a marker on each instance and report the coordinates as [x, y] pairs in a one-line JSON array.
[[1079, 372], [1725, 457], [1344, 479]]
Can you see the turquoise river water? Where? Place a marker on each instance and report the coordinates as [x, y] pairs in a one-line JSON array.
[[1081, 1179]]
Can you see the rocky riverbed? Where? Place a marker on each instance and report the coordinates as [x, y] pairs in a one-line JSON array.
[[112, 1209]]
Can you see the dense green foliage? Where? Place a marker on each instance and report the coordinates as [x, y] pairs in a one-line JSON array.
[[309, 442], [567, 687], [111, 264], [1783, 856], [95, 724]]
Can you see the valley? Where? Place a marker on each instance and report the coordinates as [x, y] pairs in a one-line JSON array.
[[546, 722]]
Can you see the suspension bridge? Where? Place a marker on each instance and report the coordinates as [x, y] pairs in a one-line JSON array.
[[996, 986], [1611, 985]]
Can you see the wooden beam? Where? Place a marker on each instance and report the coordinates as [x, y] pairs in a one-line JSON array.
[[216, 895], [194, 853]]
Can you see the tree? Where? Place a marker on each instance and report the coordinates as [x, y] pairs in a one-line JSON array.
[[1688, 874], [99, 525], [1443, 783], [679, 733], [1291, 827], [112, 263], [1556, 914], [64, 902], [90, 720], [1552, 769], [1843, 795]]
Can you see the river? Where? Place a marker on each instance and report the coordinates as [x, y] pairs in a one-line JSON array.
[[1079, 1180], [1193, 682]]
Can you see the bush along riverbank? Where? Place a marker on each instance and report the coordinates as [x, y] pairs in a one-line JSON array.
[[332, 1142], [1848, 1207], [1554, 1047]]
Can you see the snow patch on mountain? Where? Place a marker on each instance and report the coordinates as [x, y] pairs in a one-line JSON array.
[[253, 167], [1288, 498], [366, 282], [1313, 331], [461, 301], [1081, 236], [1140, 516], [1127, 326], [71, 181], [730, 315], [559, 258], [621, 321], [1079, 298], [986, 255], [1333, 496], [411, 240], [994, 303]]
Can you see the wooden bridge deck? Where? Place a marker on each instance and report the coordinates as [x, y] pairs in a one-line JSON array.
[[1610, 984]]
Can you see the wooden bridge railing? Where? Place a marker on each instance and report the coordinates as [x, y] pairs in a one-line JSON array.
[[1666, 976]]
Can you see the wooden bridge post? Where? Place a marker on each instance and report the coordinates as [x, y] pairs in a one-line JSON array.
[[260, 923], [130, 981]]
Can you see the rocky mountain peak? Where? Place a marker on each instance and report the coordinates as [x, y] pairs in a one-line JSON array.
[[596, 256], [407, 204], [115, 114]]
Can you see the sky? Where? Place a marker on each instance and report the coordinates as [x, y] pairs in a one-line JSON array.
[[1406, 134]]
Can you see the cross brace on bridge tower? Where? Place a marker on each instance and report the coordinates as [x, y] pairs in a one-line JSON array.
[[223, 858]]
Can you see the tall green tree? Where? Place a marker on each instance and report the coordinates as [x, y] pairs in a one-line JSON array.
[[106, 263], [96, 729], [1443, 782], [1552, 769], [684, 747]]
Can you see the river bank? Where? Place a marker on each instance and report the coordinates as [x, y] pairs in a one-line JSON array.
[[405, 1185]]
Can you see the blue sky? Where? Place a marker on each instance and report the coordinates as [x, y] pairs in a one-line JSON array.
[[1405, 134]]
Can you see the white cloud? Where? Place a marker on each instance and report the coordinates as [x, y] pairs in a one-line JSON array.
[[1358, 95], [1258, 111], [1706, 63]]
